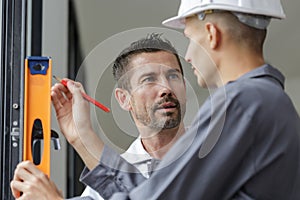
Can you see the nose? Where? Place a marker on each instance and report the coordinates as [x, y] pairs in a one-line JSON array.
[[187, 58], [165, 88], [165, 91]]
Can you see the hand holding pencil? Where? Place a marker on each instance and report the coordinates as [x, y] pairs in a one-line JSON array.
[[85, 96], [74, 119]]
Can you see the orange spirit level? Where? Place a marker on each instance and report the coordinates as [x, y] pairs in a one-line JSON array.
[[37, 111]]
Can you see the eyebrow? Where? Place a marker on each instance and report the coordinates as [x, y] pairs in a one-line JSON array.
[[148, 73], [174, 70], [185, 33]]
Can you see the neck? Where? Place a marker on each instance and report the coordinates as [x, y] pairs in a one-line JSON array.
[[236, 66], [157, 144]]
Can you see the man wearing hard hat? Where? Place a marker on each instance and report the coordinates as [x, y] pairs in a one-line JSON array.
[[244, 142]]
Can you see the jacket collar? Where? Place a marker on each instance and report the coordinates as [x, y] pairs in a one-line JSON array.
[[265, 70]]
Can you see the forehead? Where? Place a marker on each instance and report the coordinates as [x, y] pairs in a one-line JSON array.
[[148, 61], [191, 24]]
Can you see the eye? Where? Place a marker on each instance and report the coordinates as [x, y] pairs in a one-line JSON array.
[[174, 76], [148, 79]]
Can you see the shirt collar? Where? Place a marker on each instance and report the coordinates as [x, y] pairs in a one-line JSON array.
[[265, 70], [136, 153]]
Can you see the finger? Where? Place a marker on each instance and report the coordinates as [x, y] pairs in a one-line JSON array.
[[20, 169], [29, 167], [28, 173], [56, 96], [16, 188], [22, 177], [69, 95], [59, 90], [75, 85], [55, 102], [32, 168], [58, 87], [76, 89], [25, 197], [59, 98], [22, 174]]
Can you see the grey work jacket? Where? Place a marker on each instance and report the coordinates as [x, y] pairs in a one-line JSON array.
[[243, 144]]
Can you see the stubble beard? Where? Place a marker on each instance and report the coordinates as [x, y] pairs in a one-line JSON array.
[[167, 120]]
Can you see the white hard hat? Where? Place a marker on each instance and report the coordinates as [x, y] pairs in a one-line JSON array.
[[268, 8]]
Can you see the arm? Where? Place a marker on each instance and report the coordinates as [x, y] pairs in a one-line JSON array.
[[73, 116]]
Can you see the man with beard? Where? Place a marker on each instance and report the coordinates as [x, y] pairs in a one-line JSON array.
[[150, 85]]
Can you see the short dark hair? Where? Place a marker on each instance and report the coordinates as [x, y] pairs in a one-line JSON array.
[[241, 33], [152, 43]]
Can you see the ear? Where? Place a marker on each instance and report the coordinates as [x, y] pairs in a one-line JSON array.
[[123, 98], [214, 35]]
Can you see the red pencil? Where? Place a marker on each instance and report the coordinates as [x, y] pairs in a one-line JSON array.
[[85, 96]]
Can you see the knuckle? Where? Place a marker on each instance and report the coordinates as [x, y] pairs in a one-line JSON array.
[[26, 162], [31, 187], [20, 166], [42, 176], [35, 181], [12, 184]]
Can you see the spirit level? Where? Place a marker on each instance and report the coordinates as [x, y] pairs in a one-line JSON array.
[[37, 111]]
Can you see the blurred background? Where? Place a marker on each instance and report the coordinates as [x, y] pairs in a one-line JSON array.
[[84, 36]]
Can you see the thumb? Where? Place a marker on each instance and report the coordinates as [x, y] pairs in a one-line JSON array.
[[76, 89]]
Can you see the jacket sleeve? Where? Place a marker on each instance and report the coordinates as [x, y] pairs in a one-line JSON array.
[[112, 175]]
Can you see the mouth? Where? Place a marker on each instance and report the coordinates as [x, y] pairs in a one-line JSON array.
[[194, 70], [168, 106]]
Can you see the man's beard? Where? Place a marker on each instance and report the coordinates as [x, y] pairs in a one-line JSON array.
[[168, 120]]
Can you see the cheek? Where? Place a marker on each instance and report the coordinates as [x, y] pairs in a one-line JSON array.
[[203, 61], [180, 93], [197, 54], [140, 99], [194, 53], [189, 56]]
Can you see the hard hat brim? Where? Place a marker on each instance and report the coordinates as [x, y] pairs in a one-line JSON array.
[[175, 22]]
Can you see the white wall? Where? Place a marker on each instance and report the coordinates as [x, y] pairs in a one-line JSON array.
[[283, 48]]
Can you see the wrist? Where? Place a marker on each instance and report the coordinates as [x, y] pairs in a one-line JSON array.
[[83, 139], [75, 134], [89, 147]]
